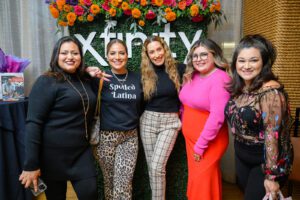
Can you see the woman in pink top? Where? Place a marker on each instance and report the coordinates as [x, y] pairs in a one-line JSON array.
[[204, 97]]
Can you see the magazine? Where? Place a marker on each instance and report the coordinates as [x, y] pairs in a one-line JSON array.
[[12, 86]]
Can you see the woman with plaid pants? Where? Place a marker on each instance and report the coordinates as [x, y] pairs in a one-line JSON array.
[[160, 123]]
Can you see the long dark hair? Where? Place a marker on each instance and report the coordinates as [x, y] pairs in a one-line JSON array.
[[55, 69], [268, 54]]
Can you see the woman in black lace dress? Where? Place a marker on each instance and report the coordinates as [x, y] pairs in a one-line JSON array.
[[259, 118]]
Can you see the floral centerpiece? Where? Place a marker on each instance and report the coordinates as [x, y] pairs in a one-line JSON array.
[[12, 64], [68, 12]]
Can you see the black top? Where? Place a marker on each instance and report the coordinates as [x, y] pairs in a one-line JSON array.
[[55, 140], [121, 102], [165, 99]]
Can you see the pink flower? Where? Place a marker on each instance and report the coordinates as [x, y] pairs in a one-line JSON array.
[[105, 6], [131, 1], [127, 12], [78, 10], [198, 18], [261, 135], [87, 2], [189, 2], [150, 15], [276, 135], [204, 4], [170, 2]]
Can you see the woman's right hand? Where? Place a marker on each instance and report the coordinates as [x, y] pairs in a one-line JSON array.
[[272, 187], [30, 177], [96, 72]]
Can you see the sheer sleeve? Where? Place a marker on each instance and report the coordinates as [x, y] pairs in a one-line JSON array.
[[273, 105]]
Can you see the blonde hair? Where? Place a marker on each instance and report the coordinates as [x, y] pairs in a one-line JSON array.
[[149, 77], [212, 47]]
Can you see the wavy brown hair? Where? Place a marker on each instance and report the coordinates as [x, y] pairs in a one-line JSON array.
[[212, 47], [268, 54], [149, 77]]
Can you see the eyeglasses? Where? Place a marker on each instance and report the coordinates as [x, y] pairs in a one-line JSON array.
[[202, 56]]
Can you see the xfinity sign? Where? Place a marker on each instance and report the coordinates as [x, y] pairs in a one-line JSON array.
[[129, 37]]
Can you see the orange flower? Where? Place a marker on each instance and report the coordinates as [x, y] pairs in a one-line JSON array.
[[218, 6], [67, 8], [54, 12], [143, 2], [62, 23], [182, 5], [212, 8], [112, 12], [71, 17], [170, 16], [80, 18], [95, 9], [70, 23], [159, 3], [141, 23], [194, 10], [66, 12], [60, 4], [136, 13], [167, 10], [115, 3], [90, 18], [125, 6]]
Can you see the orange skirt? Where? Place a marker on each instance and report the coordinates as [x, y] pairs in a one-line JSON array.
[[204, 177]]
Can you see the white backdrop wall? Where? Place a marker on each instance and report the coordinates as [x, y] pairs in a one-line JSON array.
[[28, 31]]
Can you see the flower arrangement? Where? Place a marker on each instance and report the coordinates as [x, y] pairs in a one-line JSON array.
[[67, 12], [12, 64]]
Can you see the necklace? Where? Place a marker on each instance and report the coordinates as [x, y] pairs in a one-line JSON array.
[[121, 81], [85, 106]]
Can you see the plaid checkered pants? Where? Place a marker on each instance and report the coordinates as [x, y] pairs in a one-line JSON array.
[[158, 133]]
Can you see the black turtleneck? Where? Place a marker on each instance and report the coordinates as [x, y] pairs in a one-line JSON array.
[[165, 99], [55, 130]]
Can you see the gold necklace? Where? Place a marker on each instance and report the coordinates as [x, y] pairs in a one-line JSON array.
[[85, 107]]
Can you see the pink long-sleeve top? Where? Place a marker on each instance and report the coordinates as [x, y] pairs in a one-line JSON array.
[[208, 94]]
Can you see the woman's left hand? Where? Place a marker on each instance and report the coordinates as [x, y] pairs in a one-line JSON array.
[[272, 187], [96, 72], [197, 157], [28, 178]]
